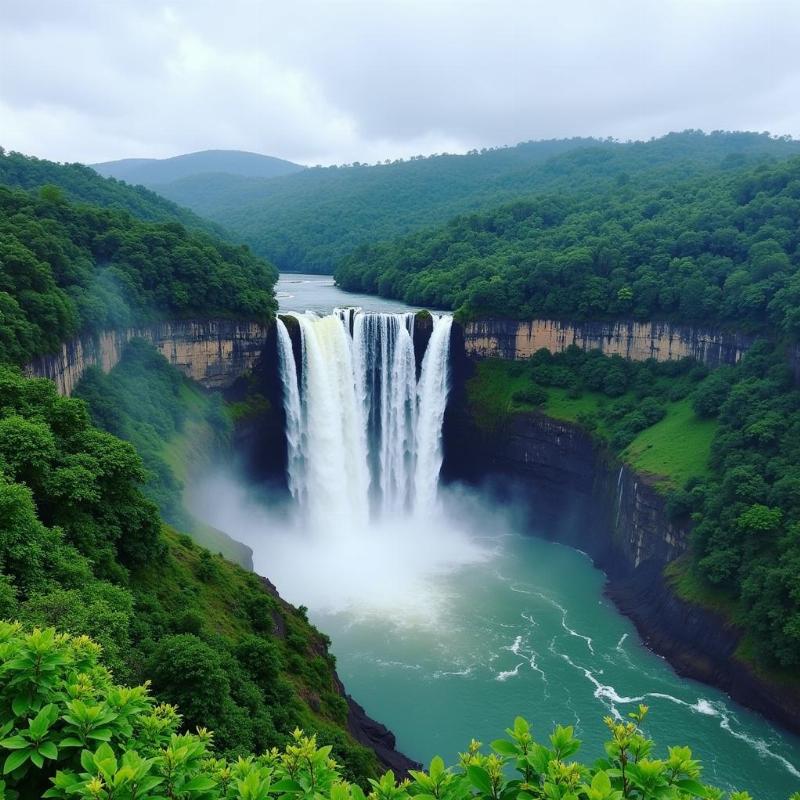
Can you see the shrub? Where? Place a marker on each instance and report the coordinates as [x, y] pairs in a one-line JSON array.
[[530, 395], [70, 733]]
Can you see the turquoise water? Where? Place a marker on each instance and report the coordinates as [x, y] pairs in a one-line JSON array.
[[442, 644], [529, 632]]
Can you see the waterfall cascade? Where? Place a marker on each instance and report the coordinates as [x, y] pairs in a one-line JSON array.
[[364, 434]]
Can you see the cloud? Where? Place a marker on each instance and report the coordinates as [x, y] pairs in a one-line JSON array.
[[332, 81]]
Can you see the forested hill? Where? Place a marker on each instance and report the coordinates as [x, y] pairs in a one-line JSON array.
[[721, 247], [67, 268], [81, 183], [82, 548], [156, 171], [310, 220]]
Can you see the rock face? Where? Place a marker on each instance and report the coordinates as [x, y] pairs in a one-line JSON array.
[[638, 341], [212, 352], [584, 497]]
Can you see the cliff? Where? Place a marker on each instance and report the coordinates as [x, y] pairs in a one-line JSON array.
[[585, 497], [212, 352], [639, 341]]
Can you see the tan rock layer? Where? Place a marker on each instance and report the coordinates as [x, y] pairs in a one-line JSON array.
[[212, 352], [638, 341]]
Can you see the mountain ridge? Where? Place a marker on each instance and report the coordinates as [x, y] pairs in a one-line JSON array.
[[152, 172]]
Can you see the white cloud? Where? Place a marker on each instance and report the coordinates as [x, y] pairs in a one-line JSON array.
[[331, 81]]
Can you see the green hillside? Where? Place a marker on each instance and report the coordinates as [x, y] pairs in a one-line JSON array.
[[719, 247], [311, 220], [68, 267], [721, 446], [82, 184], [82, 547]]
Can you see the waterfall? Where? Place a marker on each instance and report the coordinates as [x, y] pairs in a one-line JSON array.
[[432, 394], [291, 405], [364, 436]]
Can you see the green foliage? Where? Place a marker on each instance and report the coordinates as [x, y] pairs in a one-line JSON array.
[[718, 246], [69, 268], [78, 183], [68, 731], [747, 536], [82, 549], [149, 403], [617, 400], [310, 221]]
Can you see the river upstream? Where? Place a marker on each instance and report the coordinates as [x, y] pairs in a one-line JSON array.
[[448, 624]]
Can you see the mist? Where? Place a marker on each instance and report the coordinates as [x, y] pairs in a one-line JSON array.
[[394, 568]]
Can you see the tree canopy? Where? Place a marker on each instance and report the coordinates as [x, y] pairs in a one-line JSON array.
[[67, 268], [310, 221], [716, 248]]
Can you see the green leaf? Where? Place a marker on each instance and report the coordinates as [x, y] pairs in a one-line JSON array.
[[15, 743], [20, 704], [286, 785], [479, 778], [15, 760], [601, 783], [504, 747], [48, 750], [202, 783], [436, 768], [37, 759], [87, 762], [40, 724], [693, 787], [147, 783], [71, 741], [101, 734]]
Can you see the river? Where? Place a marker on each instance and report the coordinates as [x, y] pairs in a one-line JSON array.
[[447, 627]]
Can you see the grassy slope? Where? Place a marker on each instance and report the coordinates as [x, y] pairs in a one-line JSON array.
[[671, 451], [178, 581], [676, 447], [190, 446]]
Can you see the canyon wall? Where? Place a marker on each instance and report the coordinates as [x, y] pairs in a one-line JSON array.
[[638, 341], [578, 493], [212, 352]]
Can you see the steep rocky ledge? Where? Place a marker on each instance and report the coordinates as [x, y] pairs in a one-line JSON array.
[[212, 352], [583, 496], [638, 341]]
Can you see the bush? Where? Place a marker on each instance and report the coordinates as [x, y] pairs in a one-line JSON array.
[[72, 734], [530, 395]]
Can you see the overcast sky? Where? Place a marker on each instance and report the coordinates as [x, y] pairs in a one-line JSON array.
[[324, 82]]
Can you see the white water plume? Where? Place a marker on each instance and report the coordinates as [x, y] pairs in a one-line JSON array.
[[369, 434], [364, 440]]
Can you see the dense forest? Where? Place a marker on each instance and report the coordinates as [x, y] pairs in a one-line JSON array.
[[309, 221], [80, 183], [83, 550], [82, 547], [67, 267], [720, 247]]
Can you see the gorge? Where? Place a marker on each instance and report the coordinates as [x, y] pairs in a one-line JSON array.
[[437, 617]]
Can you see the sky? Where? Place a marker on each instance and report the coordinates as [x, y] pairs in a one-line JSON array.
[[322, 82]]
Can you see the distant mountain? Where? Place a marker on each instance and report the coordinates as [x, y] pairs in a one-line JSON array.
[[310, 220], [154, 172]]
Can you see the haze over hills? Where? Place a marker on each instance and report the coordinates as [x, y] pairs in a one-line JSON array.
[[309, 221], [153, 172]]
